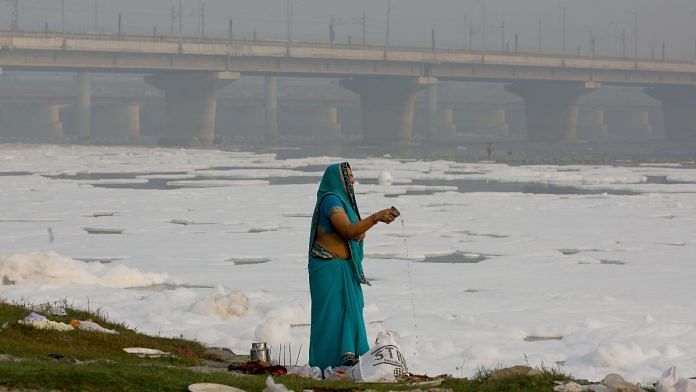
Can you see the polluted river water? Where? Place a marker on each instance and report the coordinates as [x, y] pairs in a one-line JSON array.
[[596, 280]]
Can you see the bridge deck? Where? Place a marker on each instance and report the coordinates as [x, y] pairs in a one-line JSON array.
[[107, 53]]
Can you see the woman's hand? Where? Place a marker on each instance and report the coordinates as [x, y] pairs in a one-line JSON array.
[[387, 216]]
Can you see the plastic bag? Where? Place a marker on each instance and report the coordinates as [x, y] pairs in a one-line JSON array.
[[88, 325], [34, 317], [38, 321], [384, 362], [670, 383], [305, 371], [342, 373], [271, 386]]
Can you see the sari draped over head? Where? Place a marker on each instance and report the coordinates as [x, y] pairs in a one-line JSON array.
[[337, 325]]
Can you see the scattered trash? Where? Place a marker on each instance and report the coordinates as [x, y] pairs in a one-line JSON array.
[[145, 352], [670, 383], [89, 325], [343, 373], [383, 363], [210, 387], [40, 322], [34, 317], [570, 387], [306, 371], [50, 309], [252, 367], [421, 379], [271, 386]]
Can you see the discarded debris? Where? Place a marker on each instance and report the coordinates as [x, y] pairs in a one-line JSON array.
[[142, 352], [50, 309], [210, 387], [37, 321], [89, 325], [255, 367], [271, 386]]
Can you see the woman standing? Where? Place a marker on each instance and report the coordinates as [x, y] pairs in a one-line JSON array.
[[338, 334]]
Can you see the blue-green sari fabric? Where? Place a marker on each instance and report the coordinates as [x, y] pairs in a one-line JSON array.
[[338, 326]]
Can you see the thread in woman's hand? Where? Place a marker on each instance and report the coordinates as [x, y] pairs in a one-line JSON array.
[[403, 234], [410, 287]]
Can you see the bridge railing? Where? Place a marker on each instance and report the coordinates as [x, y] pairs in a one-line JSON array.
[[310, 44]]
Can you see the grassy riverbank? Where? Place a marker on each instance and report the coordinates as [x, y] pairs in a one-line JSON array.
[[91, 361]]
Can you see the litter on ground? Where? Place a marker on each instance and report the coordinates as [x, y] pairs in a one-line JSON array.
[[145, 352], [89, 325], [210, 387], [37, 321]]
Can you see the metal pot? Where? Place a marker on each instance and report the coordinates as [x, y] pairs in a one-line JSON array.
[[260, 352]]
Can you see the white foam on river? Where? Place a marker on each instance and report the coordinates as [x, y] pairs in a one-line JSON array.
[[598, 283]]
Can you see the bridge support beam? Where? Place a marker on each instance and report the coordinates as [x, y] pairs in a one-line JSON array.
[[271, 100], [551, 108], [679, 110], [387, 106], [191, 99], [84, 105], [119, 120], [31, 120]]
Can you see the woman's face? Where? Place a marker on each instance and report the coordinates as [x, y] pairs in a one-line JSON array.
[[350, 176]]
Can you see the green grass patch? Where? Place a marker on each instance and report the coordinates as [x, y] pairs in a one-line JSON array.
[[102, 365], [24, 341]]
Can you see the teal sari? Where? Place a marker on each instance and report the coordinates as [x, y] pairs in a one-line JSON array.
[[337, 326]]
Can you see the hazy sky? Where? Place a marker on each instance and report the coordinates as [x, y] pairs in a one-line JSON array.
[[673, 21]]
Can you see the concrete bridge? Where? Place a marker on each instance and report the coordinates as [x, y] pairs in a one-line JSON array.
[[190, 72]]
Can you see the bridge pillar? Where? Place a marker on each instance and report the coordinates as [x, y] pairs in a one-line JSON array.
[[84, 105], [447, 128], [593, 122], [271, 116], [387, 105], [646, 123], [31, 120], [551, 108], [601, 123], [120, 120], [679, 110], [629, 123], [191, 99], [493, 120], [432, 115]]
